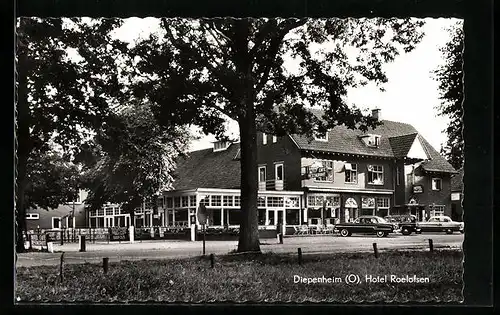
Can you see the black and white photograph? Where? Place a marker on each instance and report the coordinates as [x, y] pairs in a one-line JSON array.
[[266, 160]]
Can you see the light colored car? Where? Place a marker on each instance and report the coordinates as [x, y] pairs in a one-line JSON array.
[[441, 223]]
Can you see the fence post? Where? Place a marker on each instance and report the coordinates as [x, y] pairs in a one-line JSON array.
[[62, 237], [61, 276], [211, 260], [300, 255], [431, 245], [375, 250], [105, 264], [30, 241], [82, 243]]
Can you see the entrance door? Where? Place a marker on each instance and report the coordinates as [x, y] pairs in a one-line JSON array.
[[108, 222]]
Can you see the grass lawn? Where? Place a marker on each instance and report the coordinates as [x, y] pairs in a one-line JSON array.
[[238, 278]]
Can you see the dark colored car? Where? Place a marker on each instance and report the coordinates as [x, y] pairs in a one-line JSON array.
[[365, 225], [406, 223]]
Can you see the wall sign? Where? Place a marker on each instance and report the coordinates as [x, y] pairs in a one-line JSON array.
[[418, 189]]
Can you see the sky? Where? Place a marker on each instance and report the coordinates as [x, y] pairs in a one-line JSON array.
[[411, 94]]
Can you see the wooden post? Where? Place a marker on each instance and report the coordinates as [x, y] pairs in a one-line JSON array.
[[281, 238], [61, 275], [30, 241], [204, 230], [62, 237], [212, 260], [105, 261], [375, 250], [82, 243], [431, 245], [300, 255]]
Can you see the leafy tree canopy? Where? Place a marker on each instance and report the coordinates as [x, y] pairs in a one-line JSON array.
[[450, 77]]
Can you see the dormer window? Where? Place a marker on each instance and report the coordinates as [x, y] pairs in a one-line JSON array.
[[221, 145], [321, 136], [371, 140]]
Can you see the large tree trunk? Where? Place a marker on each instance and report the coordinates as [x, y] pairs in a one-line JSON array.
[[24, 144], [249, 228]]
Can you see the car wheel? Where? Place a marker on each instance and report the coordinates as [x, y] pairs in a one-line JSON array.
[[449, 231], [462, 231], [381, 233], [405, 231], [344, 232]]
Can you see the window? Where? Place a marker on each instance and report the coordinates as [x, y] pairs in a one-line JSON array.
[[185, 201], [93, 213], [32, 216], [169, 202], [376, 140], [100, 212], [56, 222], [264, 138], [324, 173], [375, 174], [192, 201], [261, 202], [383, 202], [321, 136], [436, 184], [455, 196], [292, 202], [216, 201], [237, 201], [262, 174], [109, 210], [205, 201], [367, 202], [275, 201], [437, 210], [279, 171], [351, 173], [177, 202], [228, 201], [275, 139]]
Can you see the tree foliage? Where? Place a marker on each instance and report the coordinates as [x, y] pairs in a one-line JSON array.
[[131, 159], [52, 180], [450, 77], [66, 81], [264, 73]]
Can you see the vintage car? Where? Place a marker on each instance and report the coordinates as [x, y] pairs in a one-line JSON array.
[[406, 223], [441, 223], [365, 225]]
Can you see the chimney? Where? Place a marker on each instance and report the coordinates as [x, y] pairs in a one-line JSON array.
[[376, 113]]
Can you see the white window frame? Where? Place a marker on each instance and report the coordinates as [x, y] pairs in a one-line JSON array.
[[324, 162], [455, 196], [60, 223], [373, 171], [319, 137], [434, 212], [276, 165], [433, 186], [32, 216], [275, 139], [350, 169], [265, 175], [383, 199], [264, 138]]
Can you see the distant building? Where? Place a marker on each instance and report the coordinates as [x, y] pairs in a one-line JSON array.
[[68, 215], [457, 196]]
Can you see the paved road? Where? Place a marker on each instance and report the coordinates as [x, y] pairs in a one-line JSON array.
[[178, 249]]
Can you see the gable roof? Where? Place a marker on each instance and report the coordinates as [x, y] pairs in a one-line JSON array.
[[395, 142], [206, 168]]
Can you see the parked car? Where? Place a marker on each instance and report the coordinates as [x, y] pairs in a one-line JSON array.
[[441, 223], [365, 225], [406, 223]]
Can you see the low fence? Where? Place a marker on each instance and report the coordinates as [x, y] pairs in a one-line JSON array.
[[232, 233]]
